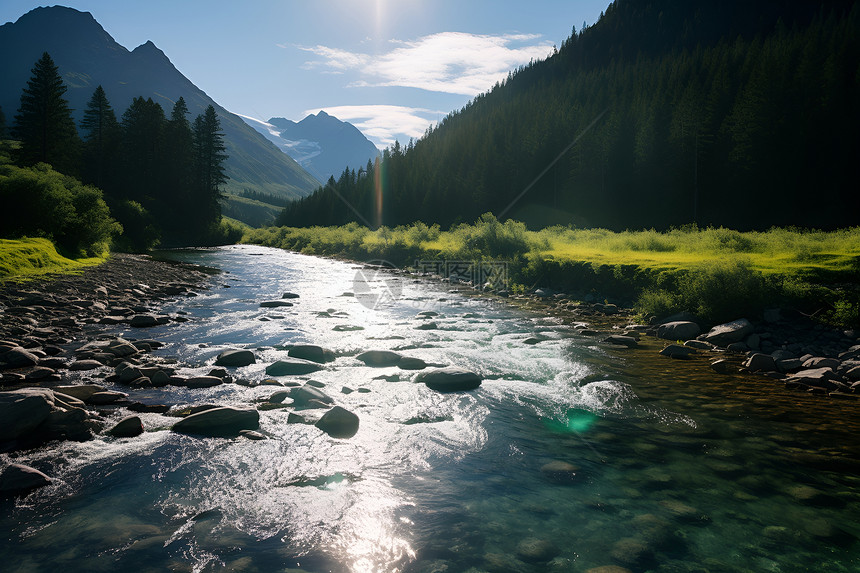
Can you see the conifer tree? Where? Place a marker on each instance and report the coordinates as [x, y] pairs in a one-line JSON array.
[[209, 160], [101, 140], [44, 123]]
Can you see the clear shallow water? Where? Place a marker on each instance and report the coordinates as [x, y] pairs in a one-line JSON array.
[[680, 469]]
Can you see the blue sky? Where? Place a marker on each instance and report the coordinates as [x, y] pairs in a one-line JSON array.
[[390, 67]]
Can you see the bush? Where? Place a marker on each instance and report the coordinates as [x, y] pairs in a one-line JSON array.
[[139, 232], [40, 202]]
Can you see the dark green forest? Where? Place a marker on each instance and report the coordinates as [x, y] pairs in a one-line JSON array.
[[158, 176], [661, 114]]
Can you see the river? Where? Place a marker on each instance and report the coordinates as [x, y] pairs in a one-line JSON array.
[[677, 468]]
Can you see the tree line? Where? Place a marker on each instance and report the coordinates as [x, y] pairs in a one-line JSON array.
[[660, 114], [160, 176]]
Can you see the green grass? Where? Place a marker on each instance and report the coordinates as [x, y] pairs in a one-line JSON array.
[[23, 259], [715, 272]]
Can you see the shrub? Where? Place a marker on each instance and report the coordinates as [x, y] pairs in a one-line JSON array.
[[722, 290]]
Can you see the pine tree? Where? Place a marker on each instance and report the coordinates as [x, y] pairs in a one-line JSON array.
[[142, 150], [101, 140], [209, 160], [44, 123]]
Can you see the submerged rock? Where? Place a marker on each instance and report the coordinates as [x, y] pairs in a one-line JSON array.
[[559, 471], [338, 423], [219, 422], [450, 379], [534, 550], [678, 351], [379, 358]]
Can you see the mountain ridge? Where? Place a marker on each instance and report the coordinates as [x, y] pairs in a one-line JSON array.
[[88, 56]]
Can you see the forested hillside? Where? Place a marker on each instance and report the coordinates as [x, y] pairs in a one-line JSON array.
[[661, 114]]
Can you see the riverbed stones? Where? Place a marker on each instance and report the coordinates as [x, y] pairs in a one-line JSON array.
[[411, 363], [560, 472], [219, 422], [24, 410], [728, 333], [678, 330], [536, 550], [621, 340], [338, 423], [18, 479], [275, 303], [198, 382], [17, 357], [379, 358], [81, 392], [311, 352], [144, 321], [292, 367], [235, 357], [759, 362], [308, 395], [678, 352], [81, 365], [449, 379], [128, 427]]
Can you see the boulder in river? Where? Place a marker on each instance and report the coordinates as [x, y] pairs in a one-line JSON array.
[[24, 410], [304, 395], [678, 330], [219, 422], [128, 427], [678, 351], [620, 340], [450, 379], [235, 358], [759, 362], [292, 367], [17, 479], [311, 352], [730, 332], [274, 303], [144, 321], [338, 423], [380, 358]]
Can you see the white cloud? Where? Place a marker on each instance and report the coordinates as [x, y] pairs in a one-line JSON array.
[[448, 62], [382, 124]]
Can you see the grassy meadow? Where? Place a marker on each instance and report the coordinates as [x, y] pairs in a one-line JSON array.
[[27, 258], [716, 273]]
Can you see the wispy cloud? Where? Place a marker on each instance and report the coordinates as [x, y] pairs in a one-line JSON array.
[[382, 124], [448, 62]]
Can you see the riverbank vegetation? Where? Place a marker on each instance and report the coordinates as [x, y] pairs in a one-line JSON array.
[[31, 258], [716, 273]]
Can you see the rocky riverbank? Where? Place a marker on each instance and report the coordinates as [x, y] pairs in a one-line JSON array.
[[795, 352]]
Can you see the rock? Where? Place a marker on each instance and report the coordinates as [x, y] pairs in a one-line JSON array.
[[292, 367], [235, 358], [274, 303], [450, 379], [303, 395], [17, 479], [289, 295], [739, 347], [379, 358], [218, 373], [620, 340], [678, 351], [814, 377], [17, 357], [678, 330], [729, 332], [219, 422], [761, 363], [560, 472], [143, 321], [411, 363], [633, 552], [81, 392], [279, 397], [40, 373], [252, 435], [699, 345], [79, 365], [24, 410], [121, 348], [753, 341], [101, 398], [200, 382], [534, 550], [789, 364], [821, 362], [338, 423], [128, 427], [427, 326], [311, 352]]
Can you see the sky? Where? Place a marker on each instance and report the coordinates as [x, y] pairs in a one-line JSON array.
[[391, 68]]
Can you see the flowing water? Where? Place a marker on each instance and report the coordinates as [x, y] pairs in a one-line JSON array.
[[678, 468]]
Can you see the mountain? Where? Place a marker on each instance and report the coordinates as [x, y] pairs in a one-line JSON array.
[[87, 56], [321, 143], [662, 114]]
